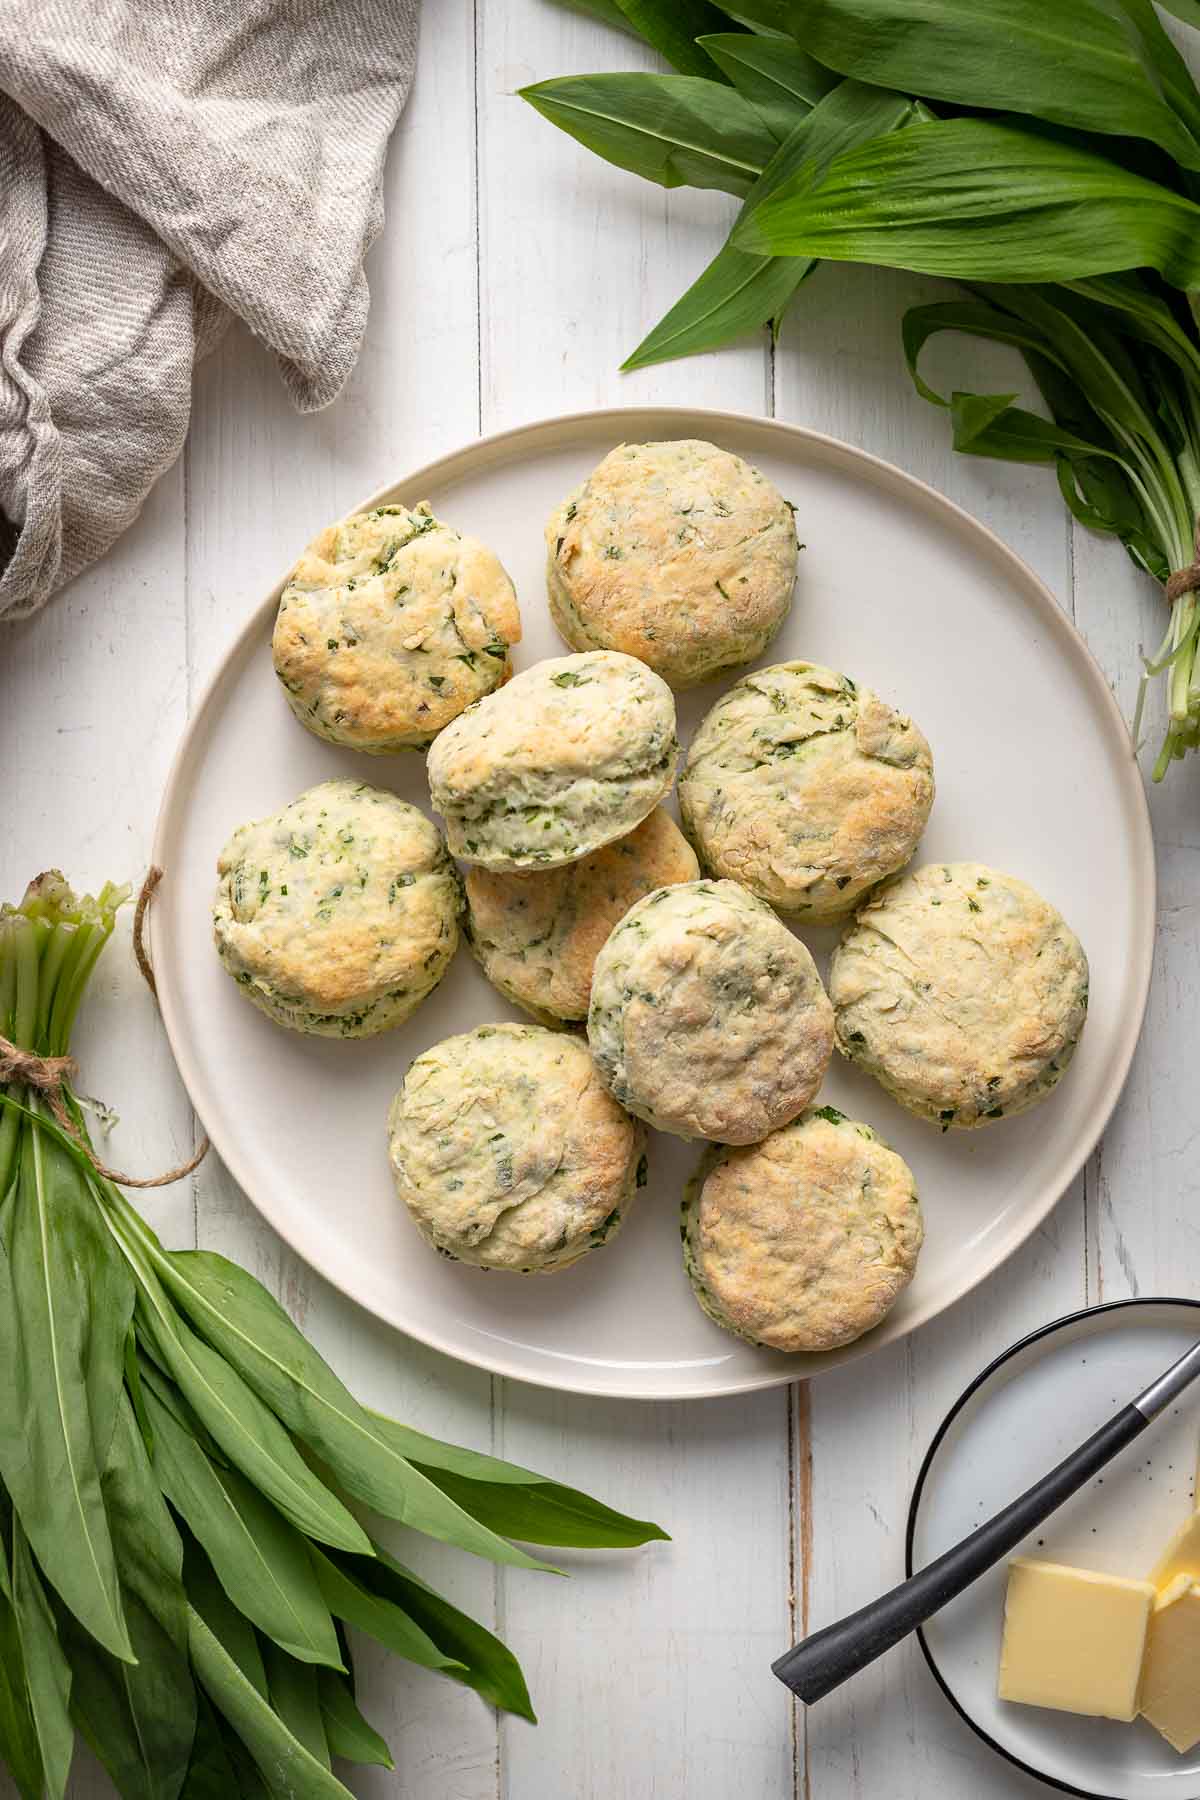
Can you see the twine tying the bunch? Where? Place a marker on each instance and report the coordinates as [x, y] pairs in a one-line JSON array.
[[48, 1074], [1186, 581]]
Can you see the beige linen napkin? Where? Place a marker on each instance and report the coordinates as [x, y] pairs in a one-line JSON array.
[[163, 165]]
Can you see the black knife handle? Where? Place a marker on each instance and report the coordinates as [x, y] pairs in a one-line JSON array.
[[827, 1658]]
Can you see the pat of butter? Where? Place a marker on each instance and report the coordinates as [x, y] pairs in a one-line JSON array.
[[1170, 1688], [1073, 1639], [1181, 1556]]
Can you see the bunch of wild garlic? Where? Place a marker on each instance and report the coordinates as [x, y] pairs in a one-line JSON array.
[[178, 1562]]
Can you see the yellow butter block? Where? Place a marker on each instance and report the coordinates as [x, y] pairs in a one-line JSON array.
[[1073, 1639], [1171, 1670], [1181, 1556]]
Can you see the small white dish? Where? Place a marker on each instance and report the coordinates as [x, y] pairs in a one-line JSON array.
[[899, 588], [1020, 1416]]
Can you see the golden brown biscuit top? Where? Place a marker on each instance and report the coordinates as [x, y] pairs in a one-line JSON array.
[[677, 552], [538, 935], [804, 1241], [389, 625], [806, 787]]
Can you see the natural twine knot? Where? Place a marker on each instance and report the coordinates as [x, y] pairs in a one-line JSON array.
[[1186, 581], [49, 1073]]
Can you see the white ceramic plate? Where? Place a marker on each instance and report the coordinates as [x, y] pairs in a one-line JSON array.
[[1025, 1413], [903, 591]]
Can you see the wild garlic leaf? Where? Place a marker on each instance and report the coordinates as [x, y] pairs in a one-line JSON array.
[[1187, 10], [974, 318], [379, 1617], [485, 1664], [772, 18], [138, 1719], [1091, 468], [544, 1512], [249, 1327], [65, 1302], [1163, 60], [1146, 316], [531, 1503], [736, 294], [228, 1625], [672, 26], [980, 202], [347, 1733], [18, 1733], [147, 1546], [777, 78], [250, 1784], [246, 1430], [294, 1695], [739, 292], [133, 1386], [1089, 373], [676, 130], [47, 1672], [990, 424], [211, 1774], [606, 10], [261, 1560], [1082, 63], [290, 1771], [851, 113]]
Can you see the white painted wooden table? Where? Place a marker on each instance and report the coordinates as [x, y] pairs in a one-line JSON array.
[[514, 273]]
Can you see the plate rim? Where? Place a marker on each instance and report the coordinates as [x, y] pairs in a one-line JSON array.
[[1050, 1329], [675, 420]]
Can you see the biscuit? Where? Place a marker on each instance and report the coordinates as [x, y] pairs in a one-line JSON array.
[[678, 553], [537, 936], [805, 788], [572, 754], [805, 1241], [707, 1017], [389, 625], [338, 914], [508, 1152], [962, 991]]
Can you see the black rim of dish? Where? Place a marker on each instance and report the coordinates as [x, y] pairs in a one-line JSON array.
[[985, 1375]]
